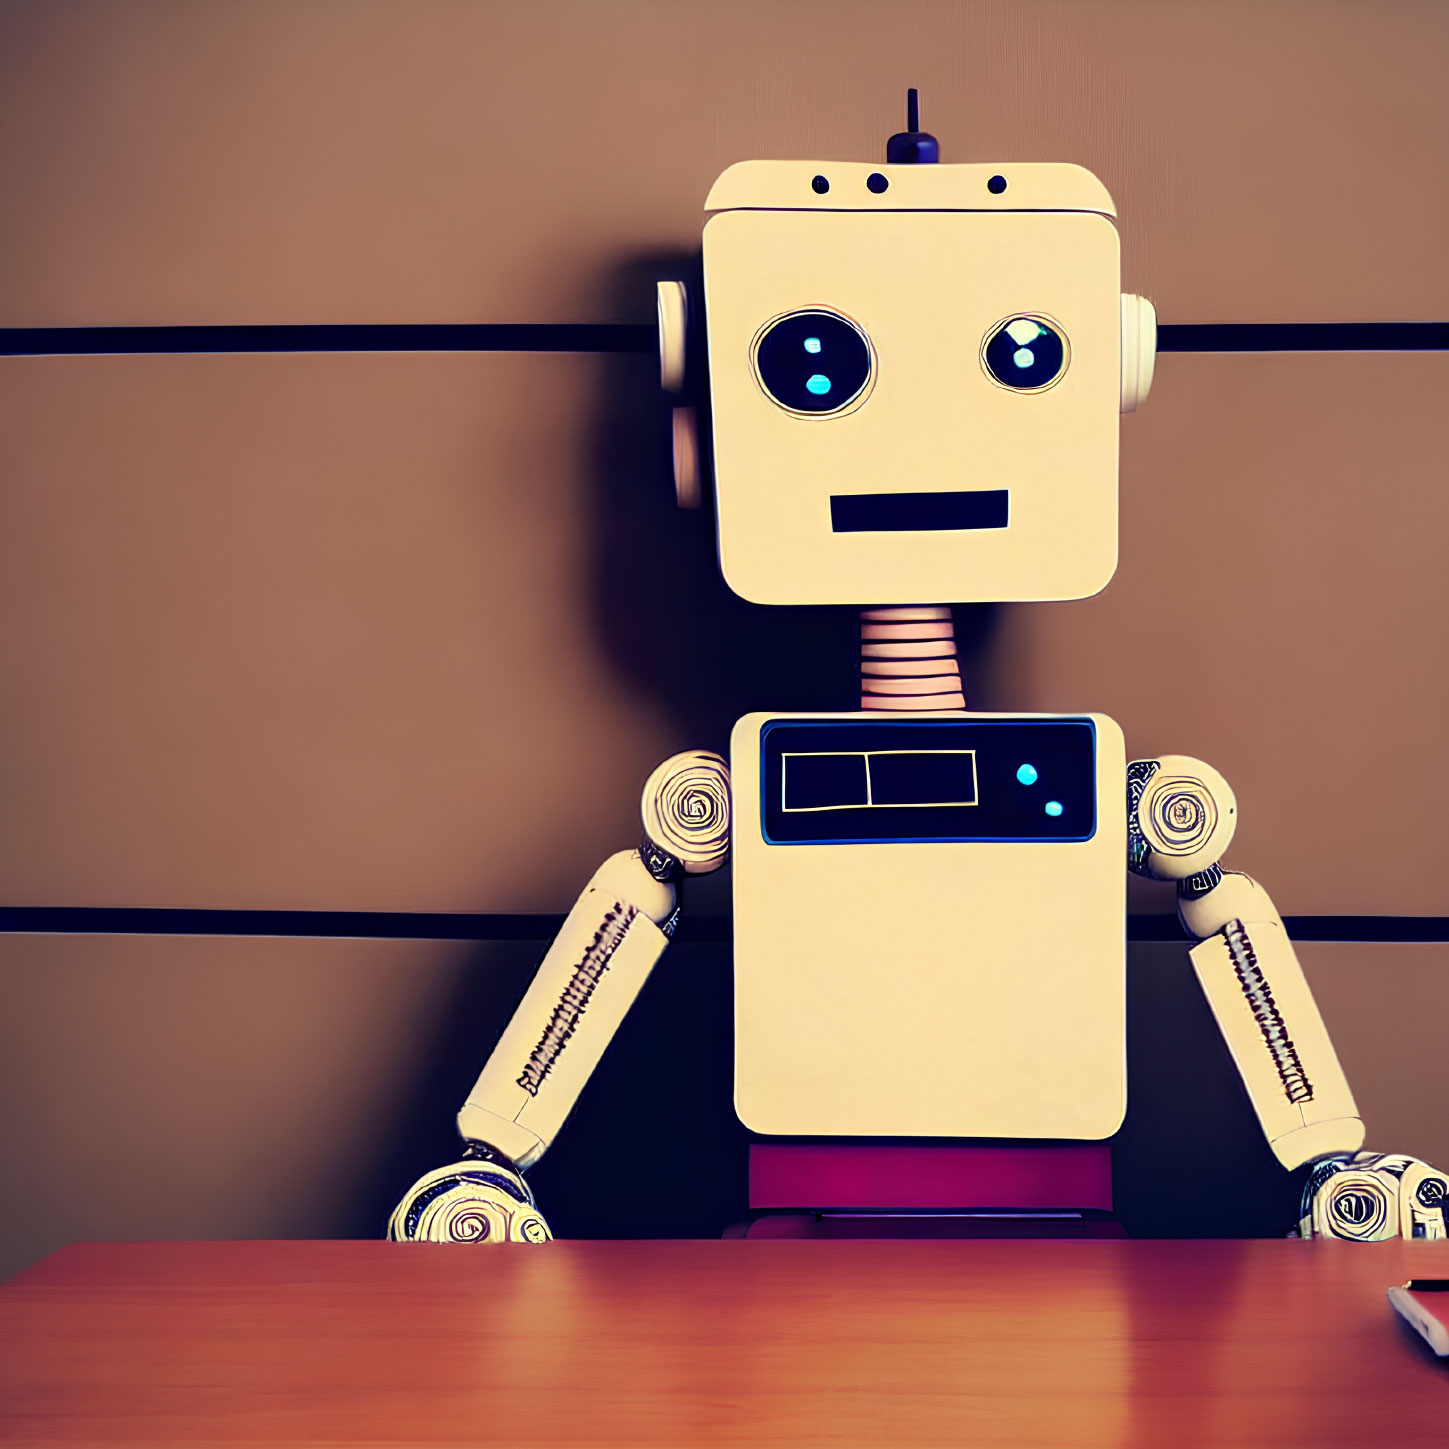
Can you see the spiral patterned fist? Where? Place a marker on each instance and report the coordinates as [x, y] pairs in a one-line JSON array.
[[1357, 1205], [468, 1202], [1370, 1196], [686, 810]]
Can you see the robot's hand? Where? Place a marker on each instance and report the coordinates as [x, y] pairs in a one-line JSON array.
[[478, 1200], [1370, 1196]]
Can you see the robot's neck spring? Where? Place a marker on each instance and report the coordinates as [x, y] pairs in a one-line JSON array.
[[908, 659]]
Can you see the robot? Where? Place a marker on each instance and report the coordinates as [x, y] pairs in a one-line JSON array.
[[913, 375]]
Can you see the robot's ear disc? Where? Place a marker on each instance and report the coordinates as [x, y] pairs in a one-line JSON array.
[[673, 327], [1139, 350], [688, 485]]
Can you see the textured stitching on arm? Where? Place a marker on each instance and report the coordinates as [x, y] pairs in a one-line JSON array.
[[575, 998], [1296, 1086]]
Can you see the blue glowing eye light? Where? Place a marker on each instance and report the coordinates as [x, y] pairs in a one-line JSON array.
[[1025, 354], [789, 362], [1027, 774], [1053, 807]]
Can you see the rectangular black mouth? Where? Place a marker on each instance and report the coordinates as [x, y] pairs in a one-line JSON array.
[[917, 512]]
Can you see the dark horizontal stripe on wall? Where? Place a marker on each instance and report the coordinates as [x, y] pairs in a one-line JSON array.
[[642, 338], [1399, 930], [372, 925], [402, 337], [1303, 336], [488, 926]]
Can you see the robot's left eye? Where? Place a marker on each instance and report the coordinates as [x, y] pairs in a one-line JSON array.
[[1025, 353], [813, 362]]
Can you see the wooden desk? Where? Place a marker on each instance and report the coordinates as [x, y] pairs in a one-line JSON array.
[[1148, 1344]]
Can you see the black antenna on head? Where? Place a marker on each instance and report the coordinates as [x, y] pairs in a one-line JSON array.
[[913, 146]]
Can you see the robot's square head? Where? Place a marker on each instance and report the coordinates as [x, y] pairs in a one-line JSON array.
[[915, 375]]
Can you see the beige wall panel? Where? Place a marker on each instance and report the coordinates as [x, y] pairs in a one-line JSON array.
[[304, 632], [176, 1088], [331, 633], [1387, 1010], [438, 160], [1280, 610]]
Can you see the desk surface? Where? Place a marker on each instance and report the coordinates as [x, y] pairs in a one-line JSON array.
[[682, 1343]]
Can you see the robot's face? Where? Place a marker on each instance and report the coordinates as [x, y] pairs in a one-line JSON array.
[[915, 385]]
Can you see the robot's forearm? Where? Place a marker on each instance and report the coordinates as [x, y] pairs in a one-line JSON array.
[[1181, 818], [582, 991], [1270, 1021], [601, 957]]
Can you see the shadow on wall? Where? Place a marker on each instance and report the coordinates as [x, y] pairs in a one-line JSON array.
[[1190, 1161]]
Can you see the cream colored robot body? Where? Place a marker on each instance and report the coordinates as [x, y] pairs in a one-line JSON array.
[[920, 949], [914, 377], [939, 958]]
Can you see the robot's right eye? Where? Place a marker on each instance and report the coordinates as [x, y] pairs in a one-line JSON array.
[[813, 362], [1025, 353]]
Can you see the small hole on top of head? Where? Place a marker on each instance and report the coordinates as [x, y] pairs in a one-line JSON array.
[[820, 185], [876, 182], [996, 185]]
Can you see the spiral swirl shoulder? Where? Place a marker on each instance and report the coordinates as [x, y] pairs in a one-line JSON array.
[[686, 810]]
